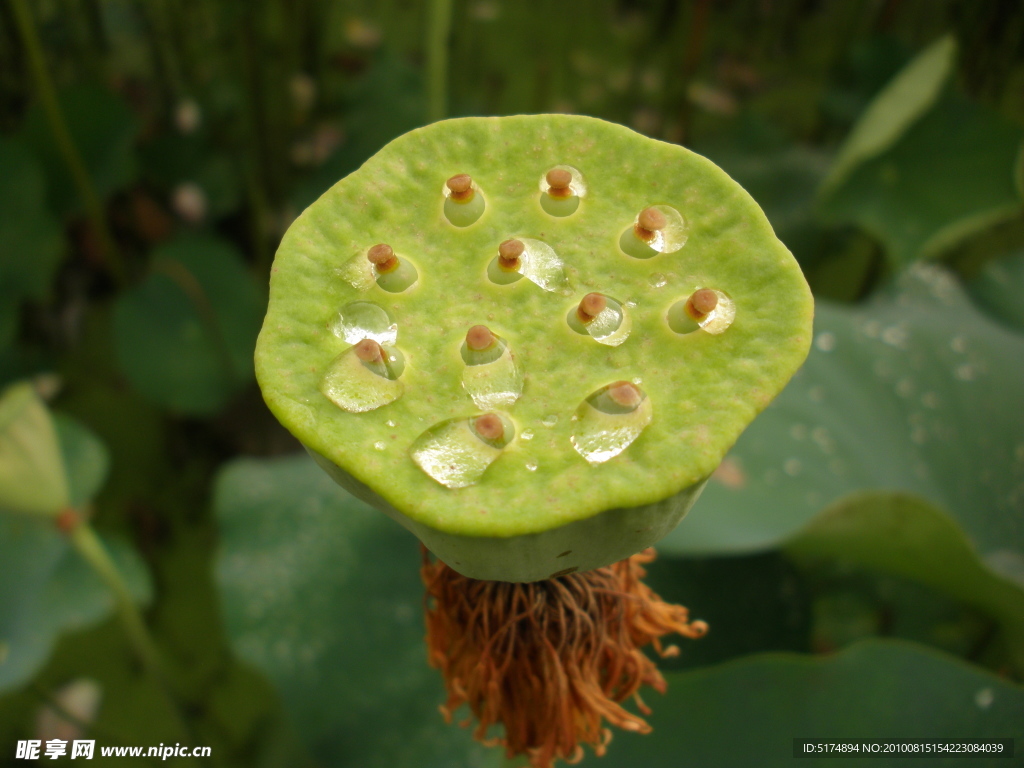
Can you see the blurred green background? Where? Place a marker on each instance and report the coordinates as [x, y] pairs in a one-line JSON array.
[[859, 555]]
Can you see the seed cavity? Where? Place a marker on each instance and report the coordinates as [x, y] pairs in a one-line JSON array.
[[602, 318], [492, 377], [364, 377], [533, 259], [705, 309], [463, 202], [561, 189], [656, 229], [457, 452], [609, 420], [364, 320]]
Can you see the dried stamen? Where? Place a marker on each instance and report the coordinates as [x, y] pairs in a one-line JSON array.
[[591, 306], [550, 660], [559, 181], [649, 223], [383, 258], [701, 303], [489, 427], [461, 187], [509, 253], [479, 338]]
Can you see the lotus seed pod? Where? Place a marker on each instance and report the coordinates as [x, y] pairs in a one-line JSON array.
[[602, 448]]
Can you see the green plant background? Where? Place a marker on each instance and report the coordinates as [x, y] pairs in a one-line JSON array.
[[859, 555]]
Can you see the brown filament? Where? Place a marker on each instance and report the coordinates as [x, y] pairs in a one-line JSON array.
[[550, 660]]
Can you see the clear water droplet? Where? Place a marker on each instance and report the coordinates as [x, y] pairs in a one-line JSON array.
[[527, 434], [532, 466], [380, 445], [657, 280], [497, 383], [605, 428], [540, 265], [390, 422], [454, 455], [550, 420], [358, 272], [364, 320], [355, 386]]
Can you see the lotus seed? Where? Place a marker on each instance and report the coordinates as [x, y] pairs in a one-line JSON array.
[[625, 393], [369, 351], [461, 187], [479, 338], [701, 303], [462, 205], [559, 180], [648, 223], [489, 427], [509, 253], [592, 305], [382, 256]]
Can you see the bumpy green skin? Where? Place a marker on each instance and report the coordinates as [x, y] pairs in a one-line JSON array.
[[515, 524]]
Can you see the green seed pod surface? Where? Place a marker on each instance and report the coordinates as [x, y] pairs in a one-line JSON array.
[[558, 497]]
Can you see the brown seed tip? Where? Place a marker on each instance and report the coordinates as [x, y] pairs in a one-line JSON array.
[[479, 337], [369, 351], [489, 426], [651, 219], [509, 253], [383, 257], [625, 393], [701, 303], [591, 306], [559, 178], [461, 187]]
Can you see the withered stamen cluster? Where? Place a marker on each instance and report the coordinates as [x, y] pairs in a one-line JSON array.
[[550, 660]]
